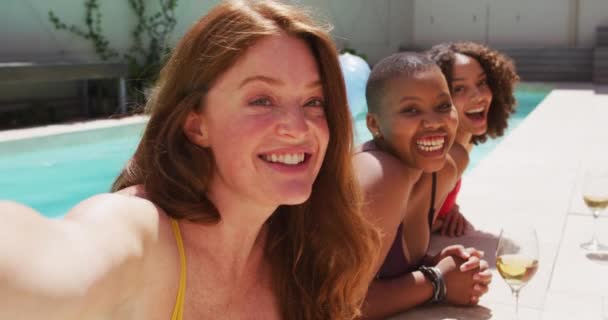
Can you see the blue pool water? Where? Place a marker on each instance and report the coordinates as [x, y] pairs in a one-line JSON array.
[[53, 173]]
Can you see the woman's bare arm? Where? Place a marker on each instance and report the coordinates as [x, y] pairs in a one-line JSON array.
[[387, 297], [84, 264], [386, 186]]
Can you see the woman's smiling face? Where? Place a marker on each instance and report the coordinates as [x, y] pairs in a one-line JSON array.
[[417, 120], [471, 94], [264, 121]]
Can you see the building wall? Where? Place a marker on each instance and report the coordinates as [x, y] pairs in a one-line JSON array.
[[25, 27], [373, 27], [26, 33], [519, 23], [592, 13], [437, 21], [529, 23]]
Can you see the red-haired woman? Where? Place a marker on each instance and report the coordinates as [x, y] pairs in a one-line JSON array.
[[239, 203]]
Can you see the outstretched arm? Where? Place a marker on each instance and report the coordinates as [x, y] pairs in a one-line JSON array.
[[74, 267]]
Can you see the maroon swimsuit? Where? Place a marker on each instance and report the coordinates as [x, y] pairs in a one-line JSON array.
[[395, 264]]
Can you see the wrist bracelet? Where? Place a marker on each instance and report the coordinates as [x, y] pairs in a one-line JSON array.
[[437, 281]]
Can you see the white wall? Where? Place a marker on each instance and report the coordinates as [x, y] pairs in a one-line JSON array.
[[529, 23], [187, 13], [25, 30], [438, 21], [519, 23], [592, 13], [374, 27]]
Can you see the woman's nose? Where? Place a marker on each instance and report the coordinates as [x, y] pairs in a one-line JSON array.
[[293, 122], [476, 95], [432, 121]]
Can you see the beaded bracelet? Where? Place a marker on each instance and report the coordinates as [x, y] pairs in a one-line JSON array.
[[437, 281]]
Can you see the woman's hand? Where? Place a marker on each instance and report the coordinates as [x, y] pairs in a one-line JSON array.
[[466, 280], [482, 280], [454, 224], [470, 255]]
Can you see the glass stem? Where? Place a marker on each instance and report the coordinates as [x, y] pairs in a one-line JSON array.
[[516, 295], [594, 234]]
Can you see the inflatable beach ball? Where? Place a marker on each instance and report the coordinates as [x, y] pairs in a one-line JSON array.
[[355, 71]]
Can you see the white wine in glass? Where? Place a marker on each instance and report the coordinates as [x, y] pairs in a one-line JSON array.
[[595, 195], [517, 258]]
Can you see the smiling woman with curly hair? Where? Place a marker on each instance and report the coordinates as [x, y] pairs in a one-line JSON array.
[[482, 84]]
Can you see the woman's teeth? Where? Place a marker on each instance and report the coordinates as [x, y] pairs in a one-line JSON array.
[[289, 159], [474, 111], [433, 144]]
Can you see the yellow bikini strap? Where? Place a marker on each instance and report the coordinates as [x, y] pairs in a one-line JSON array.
[[178, 310]]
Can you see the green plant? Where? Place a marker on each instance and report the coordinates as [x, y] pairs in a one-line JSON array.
[[93, 29], [149, 40]]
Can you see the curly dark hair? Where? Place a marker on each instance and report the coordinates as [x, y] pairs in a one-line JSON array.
[[501, 76]]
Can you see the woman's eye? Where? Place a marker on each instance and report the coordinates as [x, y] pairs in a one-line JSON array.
[[458, 89], [315, 103], [315, 107], [262, 101], [409, 111], [446, 107]]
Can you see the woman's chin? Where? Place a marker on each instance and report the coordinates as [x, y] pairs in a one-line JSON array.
[[294, 196], [433, 166], [480, 132], [478, 129]]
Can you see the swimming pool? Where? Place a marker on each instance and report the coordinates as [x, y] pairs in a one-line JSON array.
[[54, 172]]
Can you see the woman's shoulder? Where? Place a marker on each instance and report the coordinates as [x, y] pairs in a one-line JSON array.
[[134, 223], [381, 173], [386, 182], [101, 242], [129, 205], [128, 212], [379, 163]]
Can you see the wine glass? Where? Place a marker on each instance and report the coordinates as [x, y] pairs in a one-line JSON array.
[[517, 258], [595, 194]]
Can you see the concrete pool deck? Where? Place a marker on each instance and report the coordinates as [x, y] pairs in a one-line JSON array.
[[534, 177], [42, 131]]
